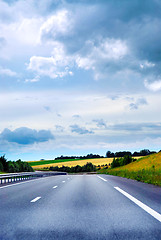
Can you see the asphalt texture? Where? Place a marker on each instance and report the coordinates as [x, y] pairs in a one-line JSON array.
[[78, 207]]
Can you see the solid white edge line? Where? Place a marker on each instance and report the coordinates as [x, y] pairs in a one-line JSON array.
[[55, 186], [149, 210], [31, 180], [35, 199], [102, 178]]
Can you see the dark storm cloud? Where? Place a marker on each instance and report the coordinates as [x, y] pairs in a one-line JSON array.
[[26, 135], [136, 23], [80, 130]]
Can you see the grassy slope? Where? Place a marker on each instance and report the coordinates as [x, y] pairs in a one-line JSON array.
[[146, 169], [69, 162]]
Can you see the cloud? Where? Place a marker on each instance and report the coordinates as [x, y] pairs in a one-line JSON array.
[[147, 64], [108, 52], [2, 42], [47, 108], [72, 33], [53, 67], [80, 130], [7, 72], [35, 79], [25, 135], [100, 123], [112, 32], [59, 128], [56, 26], [76, 116], [59, 115], [154, 86], [137, 127], [139, 102]]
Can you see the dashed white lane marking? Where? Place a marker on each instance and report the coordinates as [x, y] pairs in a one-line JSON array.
[[63, 181], [35, 199], [102, 178], [55, 186], [149, 210]]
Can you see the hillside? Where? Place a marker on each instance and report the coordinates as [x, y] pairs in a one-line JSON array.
[[146, 169]]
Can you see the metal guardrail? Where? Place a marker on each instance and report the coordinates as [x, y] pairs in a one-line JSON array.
[[14, 177]]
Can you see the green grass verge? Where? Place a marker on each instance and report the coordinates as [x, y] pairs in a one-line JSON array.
[[42, 162], [151, 176]]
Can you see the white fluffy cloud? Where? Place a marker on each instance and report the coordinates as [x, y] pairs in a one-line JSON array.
[[53, 67], [56, 25], [35, 79], [147, 64], [154, 86], [7, 72]]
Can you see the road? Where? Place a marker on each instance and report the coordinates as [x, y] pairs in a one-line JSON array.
[[80, 207]]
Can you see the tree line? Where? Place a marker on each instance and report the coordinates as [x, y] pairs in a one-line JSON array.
[[88, 156], [109, 154], [88, 167], [143, 152], [12, 167]]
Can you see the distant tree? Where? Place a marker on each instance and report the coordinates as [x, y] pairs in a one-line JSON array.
[[1, 167], [136, 154], [127, 159], [11, 167], [145, 152], [152, 152], [110, 154], [115, 163], [122, 154], [78, 169], [3, 161], [89, 167]]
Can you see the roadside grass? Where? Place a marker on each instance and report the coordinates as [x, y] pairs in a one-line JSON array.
[[69, 163], [146, 169]]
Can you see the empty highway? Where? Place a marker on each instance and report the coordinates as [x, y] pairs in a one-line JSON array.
[[80, 207]]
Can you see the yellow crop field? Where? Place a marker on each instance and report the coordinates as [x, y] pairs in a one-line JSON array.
[[96, 161]]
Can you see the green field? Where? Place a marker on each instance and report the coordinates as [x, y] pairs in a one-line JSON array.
[[146, 169], [43, 162]]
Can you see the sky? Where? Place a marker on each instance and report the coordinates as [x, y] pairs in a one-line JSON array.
[[79, 77]]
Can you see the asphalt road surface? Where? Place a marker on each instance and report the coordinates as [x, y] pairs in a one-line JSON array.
[[80, 207]]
